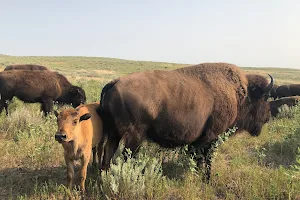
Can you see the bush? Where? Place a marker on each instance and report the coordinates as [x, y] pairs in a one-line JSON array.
[[138, 178]]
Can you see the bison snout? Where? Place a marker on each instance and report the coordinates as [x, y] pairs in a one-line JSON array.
[[60, 137]]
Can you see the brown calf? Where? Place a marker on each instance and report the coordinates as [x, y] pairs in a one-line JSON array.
[[79, 130]]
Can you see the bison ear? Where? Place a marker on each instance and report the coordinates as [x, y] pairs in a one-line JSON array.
[[85, 117], [55, 113]]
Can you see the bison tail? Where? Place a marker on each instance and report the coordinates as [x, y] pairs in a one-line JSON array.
[[107, 119], [103, 92]]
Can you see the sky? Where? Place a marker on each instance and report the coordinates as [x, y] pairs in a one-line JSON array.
[[249, 33]]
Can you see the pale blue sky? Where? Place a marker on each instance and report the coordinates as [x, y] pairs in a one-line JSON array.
[[243, 32]]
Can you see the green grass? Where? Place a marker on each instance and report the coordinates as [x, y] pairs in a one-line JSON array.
[[245, 167]]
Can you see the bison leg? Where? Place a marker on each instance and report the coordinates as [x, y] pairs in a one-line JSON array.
[[82, 173], [47, 106], [2, 105], [70, 172], [203, 159], [6, 107], [208, 153], [100, 149], [133, 141], [94, 149], [109, 151]]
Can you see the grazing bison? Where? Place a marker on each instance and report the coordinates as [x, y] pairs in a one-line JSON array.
[[191, 105], [273, 92], [38, 86], [289, 101], [25, 67], [79, 131], [287, 90]]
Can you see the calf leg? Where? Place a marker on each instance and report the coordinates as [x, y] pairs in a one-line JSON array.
[[82, 173], [70, 172]]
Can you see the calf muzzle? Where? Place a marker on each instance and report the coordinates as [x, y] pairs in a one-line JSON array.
[[60, 137]]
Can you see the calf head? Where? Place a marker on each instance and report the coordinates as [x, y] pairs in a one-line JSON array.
[[68, 122], [77, 96], [255, 111]]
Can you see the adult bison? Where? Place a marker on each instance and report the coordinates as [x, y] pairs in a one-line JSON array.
[[191, 105], [25, 67], [289, 101], [273, 92], [287, 90], [38, 86]]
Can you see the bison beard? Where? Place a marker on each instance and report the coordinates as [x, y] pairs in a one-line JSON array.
[[191, 105]]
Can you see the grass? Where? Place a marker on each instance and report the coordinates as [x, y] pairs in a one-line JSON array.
[[245, 167]]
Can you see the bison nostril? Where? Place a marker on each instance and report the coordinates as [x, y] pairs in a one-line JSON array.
[[60, 137]]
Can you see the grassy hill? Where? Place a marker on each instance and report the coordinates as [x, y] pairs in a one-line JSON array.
[[106, 68], [244, 167]]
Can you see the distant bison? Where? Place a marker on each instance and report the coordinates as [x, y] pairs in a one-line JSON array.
[[79, 131], [289, 101], [25, 67], [191, 105], [287, 91], [273, 91], [38, 86]]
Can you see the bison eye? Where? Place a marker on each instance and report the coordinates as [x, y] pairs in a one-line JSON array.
[[74, 122]]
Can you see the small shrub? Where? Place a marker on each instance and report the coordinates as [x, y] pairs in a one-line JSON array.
[[137, 178]]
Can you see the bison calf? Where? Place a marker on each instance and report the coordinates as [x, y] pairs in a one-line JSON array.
[[289, 101], [79, 130], [38, 86], [25, 67]]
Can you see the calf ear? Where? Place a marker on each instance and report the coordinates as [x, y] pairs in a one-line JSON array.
[[55, 113], [85, 117]]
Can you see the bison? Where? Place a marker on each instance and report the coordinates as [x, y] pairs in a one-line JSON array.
[[25, 67], [273, 93], [289, 101], [79, 131], [190, 105], [287, 91], [38, 86]]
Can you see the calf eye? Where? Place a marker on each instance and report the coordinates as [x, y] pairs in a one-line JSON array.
[[74, 122]]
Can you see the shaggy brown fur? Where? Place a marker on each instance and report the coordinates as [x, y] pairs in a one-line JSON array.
[[191, 105], [25, 67], [79, 131], [38, 86], [289, 101], [255, 111], [287, 91]]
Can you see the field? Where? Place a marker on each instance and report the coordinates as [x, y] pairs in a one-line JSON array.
[[244, 167]]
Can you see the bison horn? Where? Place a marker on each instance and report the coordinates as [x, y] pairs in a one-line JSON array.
[[270, 86]]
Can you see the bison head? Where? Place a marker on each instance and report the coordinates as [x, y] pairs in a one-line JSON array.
[[255, 111], [77, 96], [68, 122], [274, 92]]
